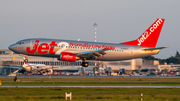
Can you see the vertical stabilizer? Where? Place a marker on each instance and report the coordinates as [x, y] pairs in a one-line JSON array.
[[150, 37]]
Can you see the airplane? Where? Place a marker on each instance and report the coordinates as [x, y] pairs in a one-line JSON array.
[[71, 50], [38, 68]]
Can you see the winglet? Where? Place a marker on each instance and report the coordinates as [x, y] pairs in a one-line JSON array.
[[150, 37]]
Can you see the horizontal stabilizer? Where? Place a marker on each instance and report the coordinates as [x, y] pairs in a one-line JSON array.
[[151, 49]]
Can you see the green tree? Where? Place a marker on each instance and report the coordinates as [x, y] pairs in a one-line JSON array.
[[172, 59]]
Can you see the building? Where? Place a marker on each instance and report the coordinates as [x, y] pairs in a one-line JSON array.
[[8, 58]]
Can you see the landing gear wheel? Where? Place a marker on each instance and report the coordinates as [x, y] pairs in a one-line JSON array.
[[26, 60], [85, 64]]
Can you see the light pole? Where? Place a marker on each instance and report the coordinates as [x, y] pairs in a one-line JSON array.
[[95, 24]]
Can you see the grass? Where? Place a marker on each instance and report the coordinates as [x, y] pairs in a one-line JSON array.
[[90, 94], [91, 81]]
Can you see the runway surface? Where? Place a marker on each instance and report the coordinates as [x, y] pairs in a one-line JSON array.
[[71, 86], [56, 76]]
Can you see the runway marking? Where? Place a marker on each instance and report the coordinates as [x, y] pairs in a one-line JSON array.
[[70, 86]]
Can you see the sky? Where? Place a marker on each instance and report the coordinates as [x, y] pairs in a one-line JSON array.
[[118, 21]]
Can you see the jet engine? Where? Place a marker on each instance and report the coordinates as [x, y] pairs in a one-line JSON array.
[[67, 56]]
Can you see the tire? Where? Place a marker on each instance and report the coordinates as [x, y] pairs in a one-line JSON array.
[[85, 64], [26, 60]]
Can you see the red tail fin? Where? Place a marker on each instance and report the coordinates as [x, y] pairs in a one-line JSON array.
[[150, 37]]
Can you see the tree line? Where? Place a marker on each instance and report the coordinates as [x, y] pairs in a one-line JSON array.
[[171, 60]]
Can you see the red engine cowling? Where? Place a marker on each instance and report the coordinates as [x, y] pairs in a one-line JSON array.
[[66, 56]]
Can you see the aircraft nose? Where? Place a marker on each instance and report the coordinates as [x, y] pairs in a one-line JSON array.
[[11, 47]]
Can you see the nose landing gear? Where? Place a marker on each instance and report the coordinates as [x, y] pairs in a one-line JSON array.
[[26, 61], [25, 58]]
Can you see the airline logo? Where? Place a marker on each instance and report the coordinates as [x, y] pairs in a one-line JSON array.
[[18, 47], [92, 46], [67, 56], [43, 48], [148, 33]]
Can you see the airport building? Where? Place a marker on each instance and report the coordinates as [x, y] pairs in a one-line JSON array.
[[9, 59]]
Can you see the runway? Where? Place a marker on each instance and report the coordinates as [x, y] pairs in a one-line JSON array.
[[72, 86], [70, 76]]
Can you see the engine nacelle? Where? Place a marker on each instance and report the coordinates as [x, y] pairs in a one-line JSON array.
[[66, 56]]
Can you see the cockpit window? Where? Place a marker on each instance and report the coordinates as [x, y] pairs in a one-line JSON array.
[[20, 42]]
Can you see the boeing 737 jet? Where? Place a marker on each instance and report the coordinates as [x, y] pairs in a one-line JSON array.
[[69, 50]]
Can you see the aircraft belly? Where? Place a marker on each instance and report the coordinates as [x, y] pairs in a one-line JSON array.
[[115, 56]]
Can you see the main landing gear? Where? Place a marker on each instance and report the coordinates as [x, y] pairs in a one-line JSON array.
[[84, 63]]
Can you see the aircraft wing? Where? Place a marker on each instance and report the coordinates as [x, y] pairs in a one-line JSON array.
[[92, 54], [151, 49]]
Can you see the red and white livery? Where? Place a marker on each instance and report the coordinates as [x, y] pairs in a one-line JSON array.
[[70, 50]]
